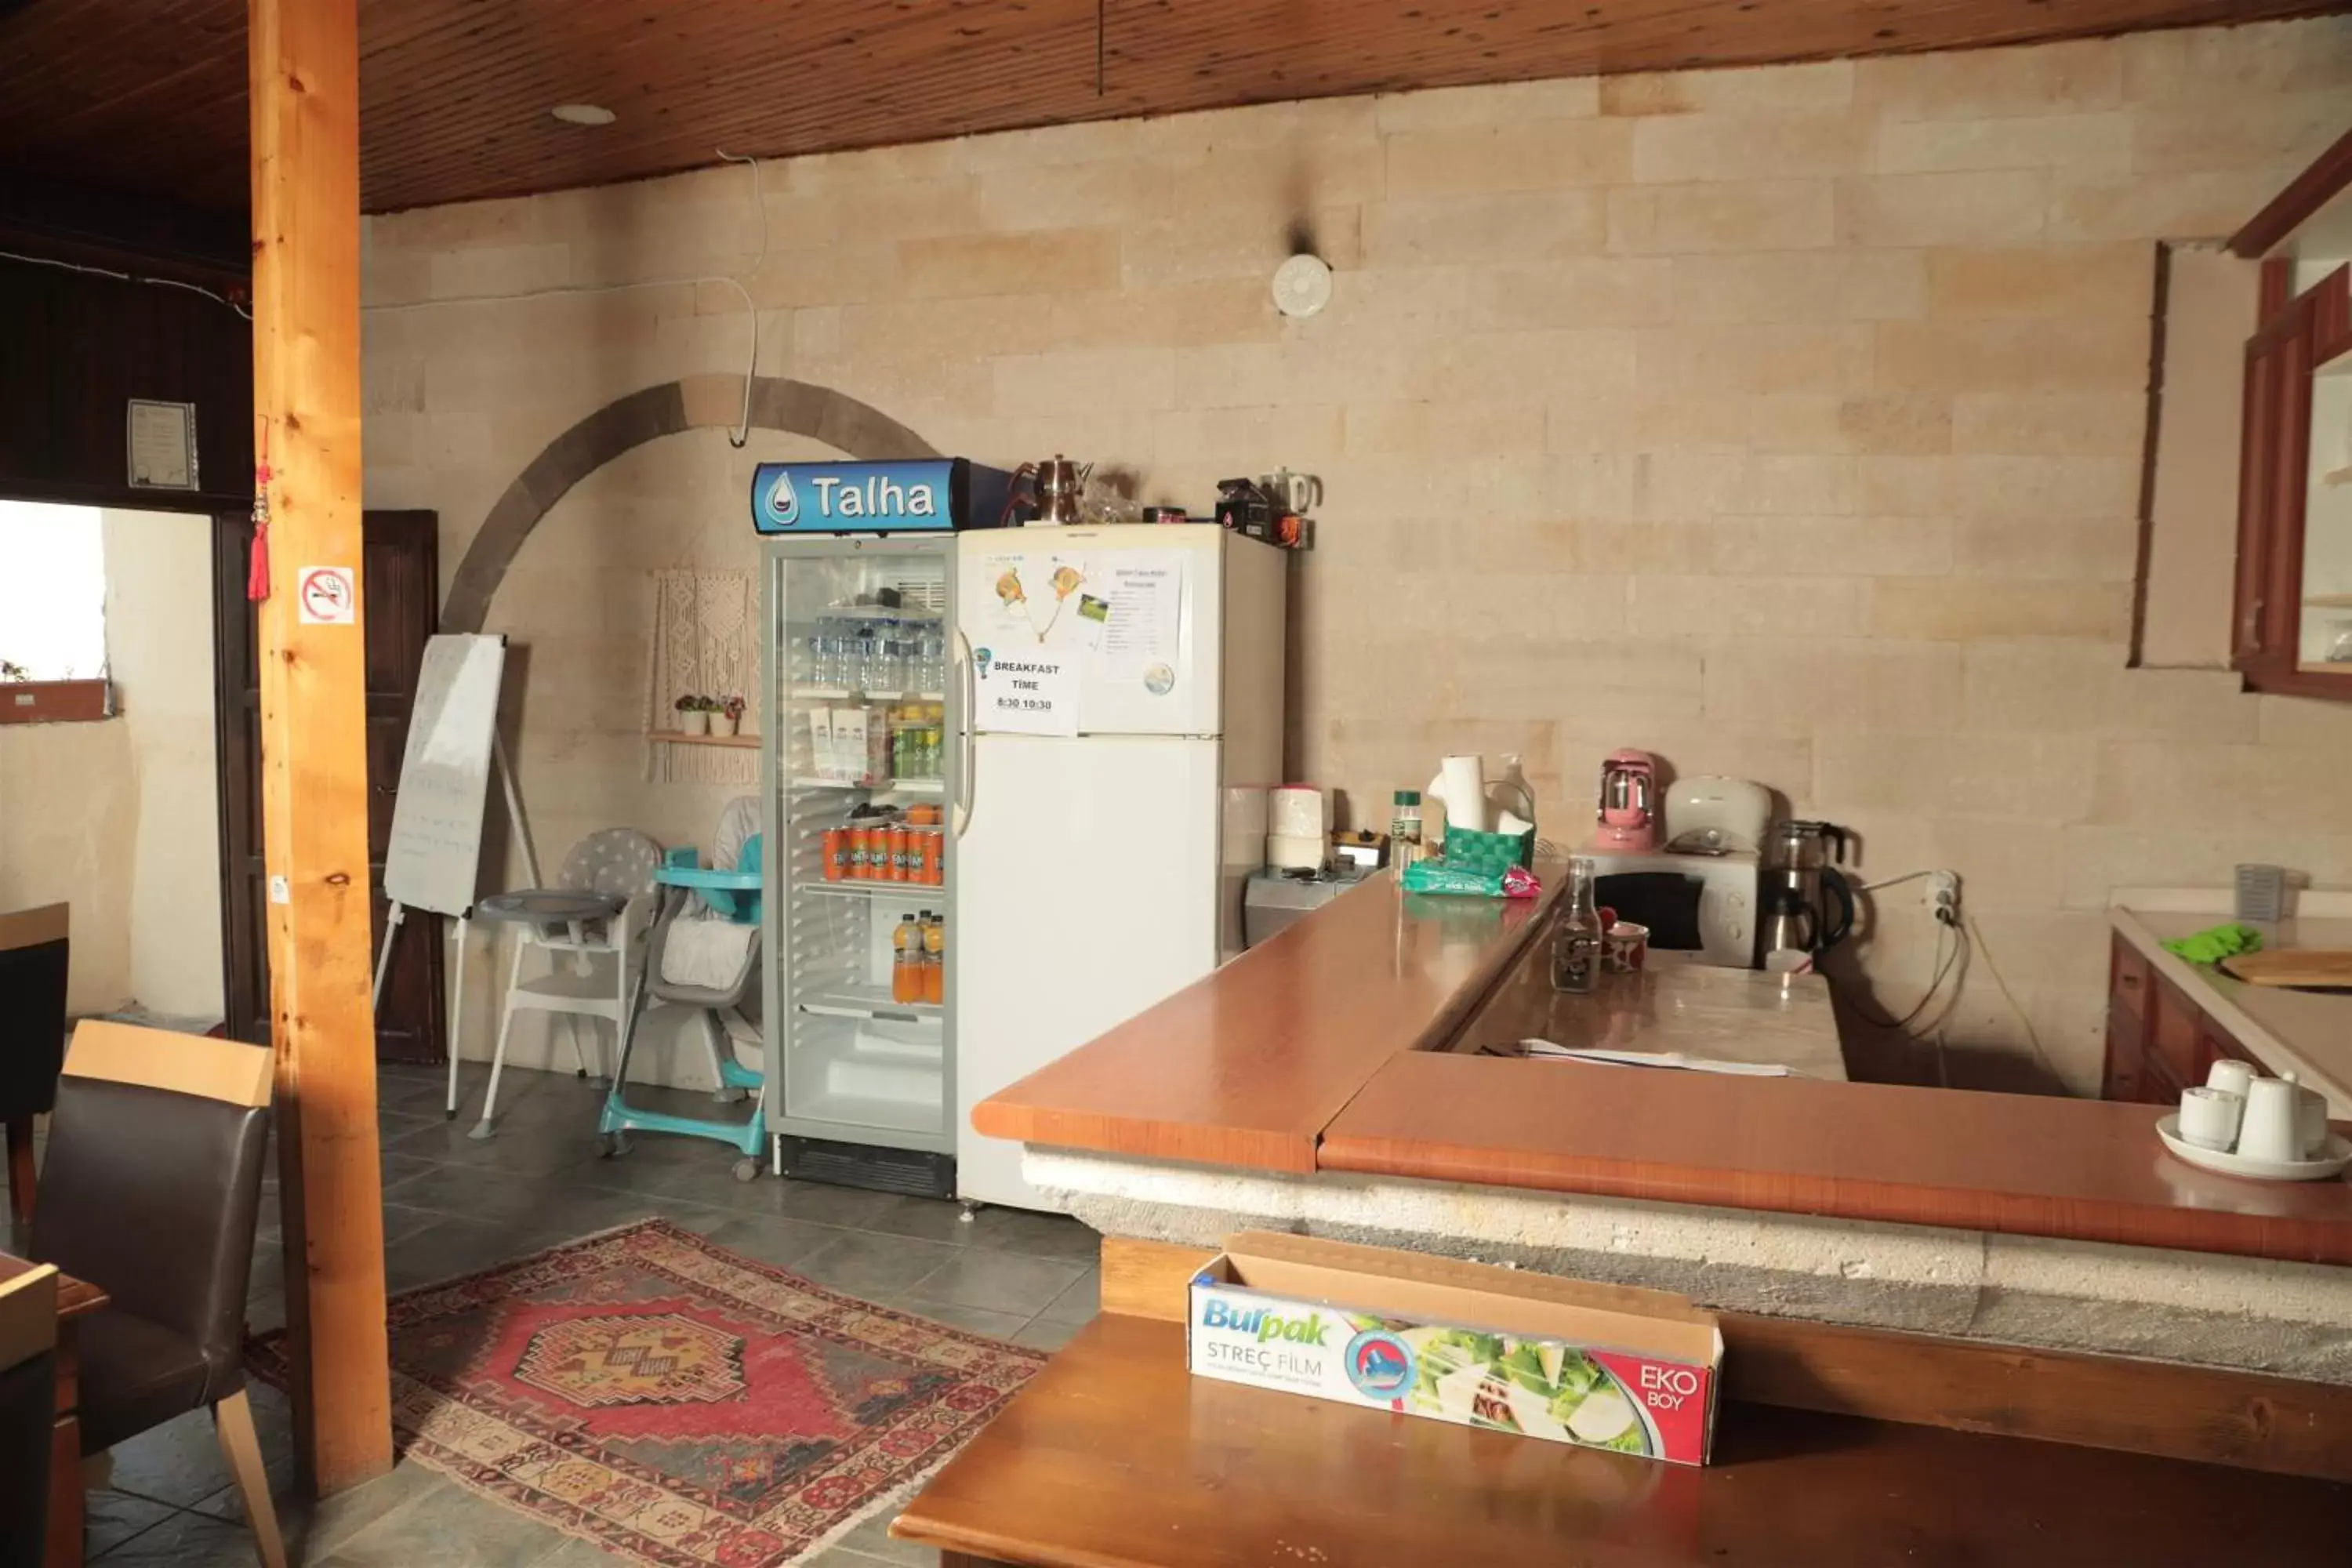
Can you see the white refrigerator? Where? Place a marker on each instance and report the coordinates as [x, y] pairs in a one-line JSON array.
[[1088, 812]]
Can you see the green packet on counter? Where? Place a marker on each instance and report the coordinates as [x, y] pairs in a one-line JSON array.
[[2215, 944], [1436, 876]]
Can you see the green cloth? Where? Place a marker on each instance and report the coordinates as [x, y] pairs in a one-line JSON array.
[[2215, 944]]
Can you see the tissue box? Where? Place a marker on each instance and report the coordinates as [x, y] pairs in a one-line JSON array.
[[1599, 1366], [1489, 853]]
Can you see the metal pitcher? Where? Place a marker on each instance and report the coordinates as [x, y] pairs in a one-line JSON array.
[[1059, 484]]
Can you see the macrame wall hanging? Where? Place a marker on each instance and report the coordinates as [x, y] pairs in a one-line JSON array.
[[705, 644]]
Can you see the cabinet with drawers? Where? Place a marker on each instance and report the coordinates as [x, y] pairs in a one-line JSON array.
[[2158, 1041]]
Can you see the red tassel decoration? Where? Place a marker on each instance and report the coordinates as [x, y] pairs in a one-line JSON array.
[[257, 572]]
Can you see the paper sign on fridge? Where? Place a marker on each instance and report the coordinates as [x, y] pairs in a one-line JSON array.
[[929, 495]]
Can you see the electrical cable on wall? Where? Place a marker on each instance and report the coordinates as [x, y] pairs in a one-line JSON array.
[[742, 435], [127, 278]]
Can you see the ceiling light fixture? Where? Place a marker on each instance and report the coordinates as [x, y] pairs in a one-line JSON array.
[[583, 114]]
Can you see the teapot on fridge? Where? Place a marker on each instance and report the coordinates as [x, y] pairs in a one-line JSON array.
[[1059, 484]]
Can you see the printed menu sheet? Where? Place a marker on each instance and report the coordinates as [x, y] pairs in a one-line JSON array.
[[1121, 610]]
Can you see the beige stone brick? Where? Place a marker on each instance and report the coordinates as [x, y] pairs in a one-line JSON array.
[[1449, 428], [2157, 782], [1447, 108], [1534, 364], [1802, 286], [1487, 230], [2098, 143], [1099, 194], [2302, 721], [1278, 181], [2059, 424], [2044, 778], [2103, 354], [915, 209], [2049, 79], [1075, 380], [1803, 485], [1765, 358], [1070, 143], [2195, 205], [2213, 63], [1643, 548], [1251, 439], [1902, 486], [1212, 310], [904, 328], [1249, 376], [1805, 682], [1834, 546], [1655, 420], [1578, 291], [1580, 678], [2117, 279], [1895, 423], [2264, 130], [970, 266], [1535, 155], [1756, 215], [1593, 488], [1427, 498], [2085, 689], [1969, 609], [1673, 149], [2193, 852], [2072, 550], [834, 275], [2044, 487], [1748, 606], [495, 270], [1976, 207], [1823, 85], [1688, 485]]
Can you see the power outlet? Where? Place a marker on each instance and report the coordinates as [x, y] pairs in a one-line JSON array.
[[1944, 893]]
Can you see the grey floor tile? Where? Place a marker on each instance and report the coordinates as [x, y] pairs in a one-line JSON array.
[[843, 1557], [469, 1193], [451, 1247], [578, 1553], [323, 1526], [872, 1538], [112, 1518], [1079, 1303], [186, 1541], [998, 1282], [177, 1463], [870, 1266], [781, 1243], [1045, 1334], [446, 1527]]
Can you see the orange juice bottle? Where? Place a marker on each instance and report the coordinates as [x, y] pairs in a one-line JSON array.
[[907, 960], [935, 961]]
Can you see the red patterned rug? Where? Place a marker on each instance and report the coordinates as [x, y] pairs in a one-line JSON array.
[[677, 1403]]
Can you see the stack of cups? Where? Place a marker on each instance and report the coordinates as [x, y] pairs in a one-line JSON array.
[[1295, 838], [2237, 1109]]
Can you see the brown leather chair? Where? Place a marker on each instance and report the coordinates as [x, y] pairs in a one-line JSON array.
[[33, 951], [151, 1192], [28, 1412]]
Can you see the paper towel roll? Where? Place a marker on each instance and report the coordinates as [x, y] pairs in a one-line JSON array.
[[1293, 852], [1462, 784], [1295, 811], [1244, 825]]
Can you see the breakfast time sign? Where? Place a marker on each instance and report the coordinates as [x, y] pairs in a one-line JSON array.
[[1025, 691]]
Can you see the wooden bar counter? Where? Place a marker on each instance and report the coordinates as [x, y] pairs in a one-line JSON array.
[[1329, 1049]]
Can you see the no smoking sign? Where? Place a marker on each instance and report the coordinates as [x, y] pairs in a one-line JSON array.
[[327, 596]]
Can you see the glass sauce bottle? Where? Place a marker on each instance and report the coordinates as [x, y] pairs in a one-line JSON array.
[[1577, 939]]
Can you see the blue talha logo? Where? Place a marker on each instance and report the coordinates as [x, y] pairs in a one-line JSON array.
[[981, 658], [784, 503]]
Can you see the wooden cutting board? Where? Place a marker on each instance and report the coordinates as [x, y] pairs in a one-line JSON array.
[[2326, 968]]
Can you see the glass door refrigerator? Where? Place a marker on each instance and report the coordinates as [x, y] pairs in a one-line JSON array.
[[858, 773]]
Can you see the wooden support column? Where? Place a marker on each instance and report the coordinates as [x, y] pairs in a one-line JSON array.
[[303, 56]]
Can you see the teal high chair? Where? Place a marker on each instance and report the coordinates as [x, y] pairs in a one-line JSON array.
[[727, 895]]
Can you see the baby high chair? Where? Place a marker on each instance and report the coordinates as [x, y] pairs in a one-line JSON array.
[[704, 953]]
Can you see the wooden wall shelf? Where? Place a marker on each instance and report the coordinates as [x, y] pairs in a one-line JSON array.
[[680, 738]]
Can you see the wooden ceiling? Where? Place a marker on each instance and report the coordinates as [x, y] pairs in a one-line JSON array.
[[148, 95]]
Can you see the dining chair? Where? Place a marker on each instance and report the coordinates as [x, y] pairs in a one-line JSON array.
[[151, 1192], [28, 1412], [33, 952]]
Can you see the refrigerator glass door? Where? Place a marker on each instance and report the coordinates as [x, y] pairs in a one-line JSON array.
[[859, 754], [1140, 607], [1086, 891]]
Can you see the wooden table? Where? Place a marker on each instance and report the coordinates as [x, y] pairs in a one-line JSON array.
[[1116, 1456], [77, 1299]]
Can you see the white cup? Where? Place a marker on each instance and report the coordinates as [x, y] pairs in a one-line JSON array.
[[2310, 1119], [2209, 1117], [2270, 1129], [2231, 1076]]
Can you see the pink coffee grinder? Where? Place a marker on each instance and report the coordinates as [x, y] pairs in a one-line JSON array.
[[1629, 803]]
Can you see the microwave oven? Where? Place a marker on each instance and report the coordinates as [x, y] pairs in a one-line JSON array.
[[1705, 905]]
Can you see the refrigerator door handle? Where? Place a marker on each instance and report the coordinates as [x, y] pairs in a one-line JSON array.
[[968, 696]]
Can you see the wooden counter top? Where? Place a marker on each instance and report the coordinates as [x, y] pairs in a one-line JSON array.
[[1327, 1048], [2030, 1164], [1247, 1067]]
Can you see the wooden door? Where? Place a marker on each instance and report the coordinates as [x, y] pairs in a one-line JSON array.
[[399, 566]]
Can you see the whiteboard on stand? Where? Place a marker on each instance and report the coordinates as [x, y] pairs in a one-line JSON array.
[[445, 774]]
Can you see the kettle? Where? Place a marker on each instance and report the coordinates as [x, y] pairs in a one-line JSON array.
[[1059, 484], [1629, 803], [1808, 904]]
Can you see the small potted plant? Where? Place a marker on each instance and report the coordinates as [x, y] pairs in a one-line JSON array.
[[693, 715], [729, 719]]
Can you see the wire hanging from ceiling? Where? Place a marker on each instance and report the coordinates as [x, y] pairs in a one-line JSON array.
[[120, 276]]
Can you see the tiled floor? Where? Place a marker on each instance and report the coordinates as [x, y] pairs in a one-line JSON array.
[[452, 1206]]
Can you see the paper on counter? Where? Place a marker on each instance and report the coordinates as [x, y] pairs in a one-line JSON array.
[[1677, 1059]]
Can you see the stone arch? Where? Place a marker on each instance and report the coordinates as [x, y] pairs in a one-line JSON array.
[[694, 403]]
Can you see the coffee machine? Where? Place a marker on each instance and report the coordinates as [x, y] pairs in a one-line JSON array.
[[1807, 902]]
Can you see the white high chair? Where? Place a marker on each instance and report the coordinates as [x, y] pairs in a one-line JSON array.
[[598, 909]]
